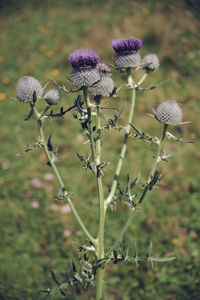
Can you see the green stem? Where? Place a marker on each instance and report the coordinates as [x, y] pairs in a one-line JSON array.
[[57, 174], [100, 237], [142, 79], [152, 172], [89, 112], [157, 158], [124, 146]]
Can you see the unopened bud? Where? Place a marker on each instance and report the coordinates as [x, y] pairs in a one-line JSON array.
[[52, 97], [25, 88], [169, 112], [150, 62]]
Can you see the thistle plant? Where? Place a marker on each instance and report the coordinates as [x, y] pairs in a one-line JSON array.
[[91, 80]]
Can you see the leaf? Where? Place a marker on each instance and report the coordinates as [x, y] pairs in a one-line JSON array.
[[157, 259], [49, 145], [150, 249], [74, 267], [54, 277]]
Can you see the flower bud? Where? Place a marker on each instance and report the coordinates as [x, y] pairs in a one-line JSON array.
[[169, 112], [52, 97], [25, 88], [150, 62], [105, 87]]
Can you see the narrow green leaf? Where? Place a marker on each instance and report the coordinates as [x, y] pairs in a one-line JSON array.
[[157, 259]]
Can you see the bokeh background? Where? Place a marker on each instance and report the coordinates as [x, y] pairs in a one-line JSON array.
[[38, 233]]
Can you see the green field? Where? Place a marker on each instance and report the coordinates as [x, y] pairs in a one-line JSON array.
[[39, 233]]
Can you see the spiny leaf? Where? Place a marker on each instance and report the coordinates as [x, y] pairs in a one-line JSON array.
[[49, 145], [54, 277], [157, 259]]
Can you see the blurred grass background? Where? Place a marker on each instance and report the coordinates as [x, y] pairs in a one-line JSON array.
[[38, 233]]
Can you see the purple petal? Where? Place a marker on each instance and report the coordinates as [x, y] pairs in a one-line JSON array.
[[84, 58]]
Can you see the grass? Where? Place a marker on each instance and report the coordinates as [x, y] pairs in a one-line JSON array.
[[36, 40]]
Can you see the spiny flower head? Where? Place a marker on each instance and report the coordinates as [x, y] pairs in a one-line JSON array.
[[151, 62], [81, 58], [103, 68], [25, 88], [130, 60], [169, 112], [53, 97], [105, 87], [84, 64], [128, 45]]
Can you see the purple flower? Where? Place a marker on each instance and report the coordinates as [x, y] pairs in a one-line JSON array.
[[81, 58], [67, 232], [65, 209], [49, 176], [126, 52], [54, 206], [35, 204], [84, 64], [127, 45], [37, 183]]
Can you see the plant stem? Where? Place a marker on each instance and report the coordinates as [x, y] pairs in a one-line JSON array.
[[152, 172], [57, 174], [96, 156], [156, 161], [142, 79], [100, 237], [124, 146], [89, 112]]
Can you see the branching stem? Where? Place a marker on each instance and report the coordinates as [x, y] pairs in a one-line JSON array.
[[124, 146], [57, 174], [152, 172]]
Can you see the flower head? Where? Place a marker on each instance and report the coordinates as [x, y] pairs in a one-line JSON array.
[[103, 68], [105, 87], [81, 58], [127, 55], [53, 97], [169, 112], [84, 64], [128, 45], [25, 88], [151, 62]]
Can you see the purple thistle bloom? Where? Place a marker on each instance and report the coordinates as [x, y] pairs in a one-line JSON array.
[[84, 58], [84, 64], [127, 45]]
